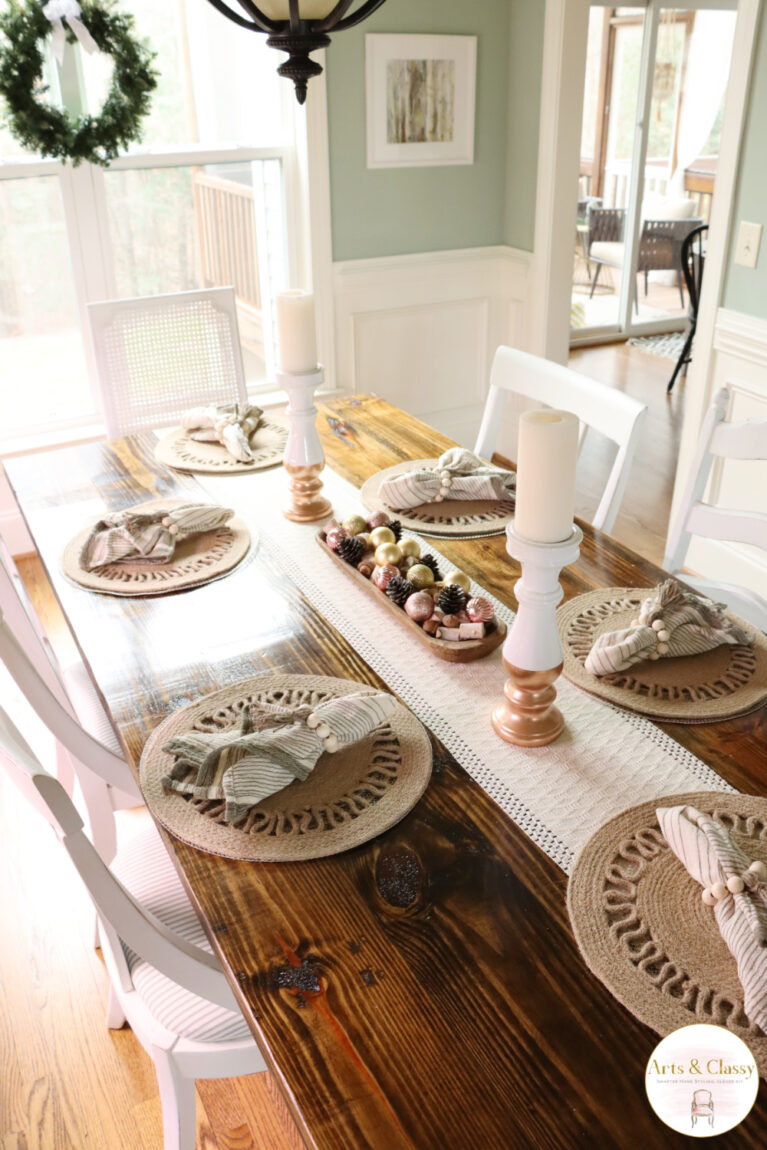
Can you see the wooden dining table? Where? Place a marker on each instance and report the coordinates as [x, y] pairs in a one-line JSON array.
[[423, 991]]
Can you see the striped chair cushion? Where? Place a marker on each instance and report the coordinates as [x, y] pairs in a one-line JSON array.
[[145, 869]]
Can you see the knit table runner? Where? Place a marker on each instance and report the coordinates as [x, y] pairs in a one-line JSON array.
[[605, 761]]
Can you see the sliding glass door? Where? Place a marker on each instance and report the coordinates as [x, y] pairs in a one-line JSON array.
[[654, 89]]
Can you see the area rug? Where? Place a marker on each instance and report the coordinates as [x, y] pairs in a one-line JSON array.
[[668, 346]]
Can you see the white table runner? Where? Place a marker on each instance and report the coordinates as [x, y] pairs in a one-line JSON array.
[[606, 760]]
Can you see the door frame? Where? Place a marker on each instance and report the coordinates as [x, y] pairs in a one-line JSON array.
[[564, 62]]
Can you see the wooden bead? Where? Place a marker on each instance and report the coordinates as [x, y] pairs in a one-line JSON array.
[[658, 625], [313, 721], [662, 648], [708, 897], [759, 869], [735, 884], [330, 744], [663, 636], [323, 730], [719, 890]]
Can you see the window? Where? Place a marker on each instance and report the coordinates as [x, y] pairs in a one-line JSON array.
[[199, 202]]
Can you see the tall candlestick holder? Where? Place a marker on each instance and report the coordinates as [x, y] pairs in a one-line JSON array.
[[532, 653], [304, 457]]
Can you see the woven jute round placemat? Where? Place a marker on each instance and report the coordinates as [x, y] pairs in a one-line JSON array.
[[350, 796], [719, 684], [201, 559], [643, 928], [454, 518], [180, 451]]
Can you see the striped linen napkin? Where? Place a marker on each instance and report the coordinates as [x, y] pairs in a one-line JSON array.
[[736, 889], [244, 766], [148, 536], [671, 622], [458, 474], [228, 424]]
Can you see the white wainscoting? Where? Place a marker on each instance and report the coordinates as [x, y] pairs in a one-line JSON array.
[[421, 330], [739, 361]]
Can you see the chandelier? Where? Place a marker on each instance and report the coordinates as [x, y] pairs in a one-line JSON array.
[[298, 27]]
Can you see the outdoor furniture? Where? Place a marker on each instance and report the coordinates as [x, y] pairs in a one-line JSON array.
[[158, 356], [720, 440], [660, 244], [617, 416], [390, 988], [693, 262]]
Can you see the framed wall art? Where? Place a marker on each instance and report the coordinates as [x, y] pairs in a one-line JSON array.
[[420, 100]]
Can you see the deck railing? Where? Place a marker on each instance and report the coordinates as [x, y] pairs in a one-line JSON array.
[[226, 228]]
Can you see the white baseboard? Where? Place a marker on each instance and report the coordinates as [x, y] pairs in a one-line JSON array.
[[421, 330]]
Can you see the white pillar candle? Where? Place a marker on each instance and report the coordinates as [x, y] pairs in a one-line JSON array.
[[296, 334], [307, 9], [546, 458]]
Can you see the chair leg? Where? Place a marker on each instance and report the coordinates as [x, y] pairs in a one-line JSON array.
[[597, 269], [177, 1099], [680, 286], [683, 358], [115, 1016], [646, 281]]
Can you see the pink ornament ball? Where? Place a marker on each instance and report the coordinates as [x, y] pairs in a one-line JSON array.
[[334, 535], [420, 606], [378, 519], [479, 610], [383, 575]]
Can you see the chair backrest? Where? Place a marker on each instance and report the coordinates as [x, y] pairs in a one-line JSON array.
[[701, 1098], [606, 224], [661, 241], [129, 922], [158, 356], [26, 655], [605, 409], [722, 440], [693, 261]]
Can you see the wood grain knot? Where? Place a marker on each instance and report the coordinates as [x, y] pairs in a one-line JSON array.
[[302, 980], [399, 878]]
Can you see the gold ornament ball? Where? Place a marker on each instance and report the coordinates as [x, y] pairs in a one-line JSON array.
[[420, 576], [459, 579], [381, 535], [355, 524], [388, 553], [410, 546]]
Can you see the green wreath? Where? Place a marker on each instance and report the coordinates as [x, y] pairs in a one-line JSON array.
[[51, 131]]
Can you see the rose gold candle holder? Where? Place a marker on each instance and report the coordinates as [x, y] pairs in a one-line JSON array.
[[304, 457], [532, 653]]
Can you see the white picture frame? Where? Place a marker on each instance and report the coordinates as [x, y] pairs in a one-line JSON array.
[[435, 128]]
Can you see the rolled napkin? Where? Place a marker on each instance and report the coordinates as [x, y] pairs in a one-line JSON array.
[[735, 887], [148, 536], [458, 474], [244, 766], [230, 425], [671, 622]]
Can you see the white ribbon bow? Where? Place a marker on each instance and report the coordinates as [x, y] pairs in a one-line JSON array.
[[57, 12]]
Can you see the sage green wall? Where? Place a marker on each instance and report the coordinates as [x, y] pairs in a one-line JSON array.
[[746, 288], [401, 210], [525, 58]]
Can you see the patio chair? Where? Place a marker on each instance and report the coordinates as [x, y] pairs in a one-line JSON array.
[[720, 440], [702, 1107], [604, 409], [165, 980], [158, 356], [693, 262], [660, 244], [66, 702]]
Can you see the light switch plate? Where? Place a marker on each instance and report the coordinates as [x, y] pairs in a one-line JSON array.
[[749, 239]]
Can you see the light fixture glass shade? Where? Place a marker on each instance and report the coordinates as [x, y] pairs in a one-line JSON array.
[[308, 9]]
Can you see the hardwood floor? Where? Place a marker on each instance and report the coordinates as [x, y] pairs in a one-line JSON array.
[[66, 1082]]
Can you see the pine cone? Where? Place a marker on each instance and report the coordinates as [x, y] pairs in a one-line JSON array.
[[430, 562], [452, 599], [399, 590], [351, 550], [395, 527]]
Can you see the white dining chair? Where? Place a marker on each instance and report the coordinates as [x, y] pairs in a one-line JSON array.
[[606, 410], [720, 440], [66, 702], [158, 356], [164, 979]]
